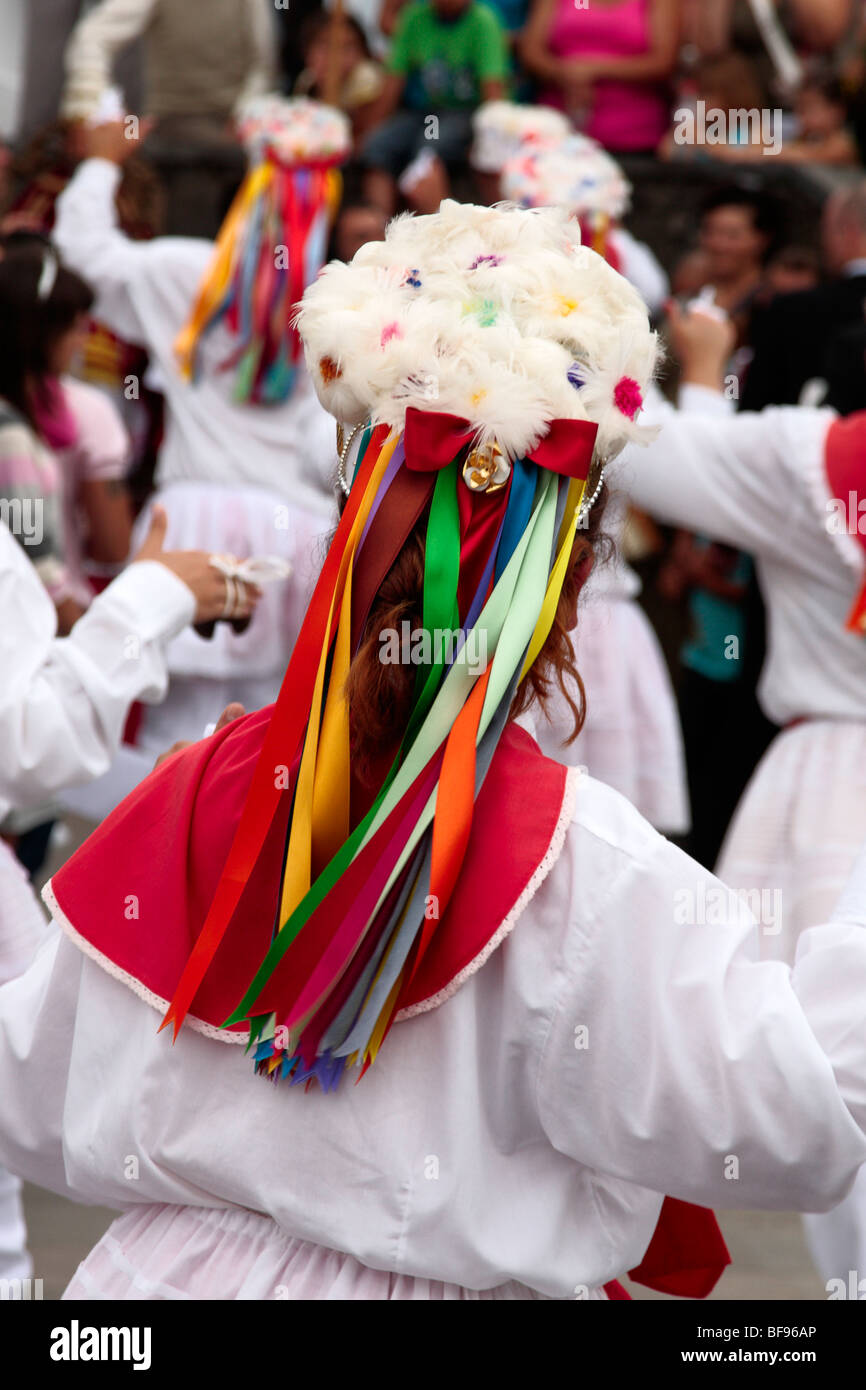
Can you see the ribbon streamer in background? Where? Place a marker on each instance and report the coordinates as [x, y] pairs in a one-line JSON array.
[[255, 279]]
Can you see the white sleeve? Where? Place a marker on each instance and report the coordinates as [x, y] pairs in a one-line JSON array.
[[262, 76], [121, 273], [701, 400], [91, 49], [734, 479], [37, 1021], [63, 701], [703, 1073]]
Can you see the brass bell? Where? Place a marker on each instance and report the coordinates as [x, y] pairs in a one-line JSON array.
[[486, 469]]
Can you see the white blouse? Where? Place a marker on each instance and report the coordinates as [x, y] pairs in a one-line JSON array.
[[756, 481], [145, 291], [620, 1044]]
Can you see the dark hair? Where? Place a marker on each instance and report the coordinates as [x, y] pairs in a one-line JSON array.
[[355, 205], [31, 326], [764, 207], [793, 256], [318, 24], [24, 238]]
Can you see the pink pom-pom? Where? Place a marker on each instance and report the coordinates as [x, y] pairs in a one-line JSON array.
[[627, 396], [391, 330]]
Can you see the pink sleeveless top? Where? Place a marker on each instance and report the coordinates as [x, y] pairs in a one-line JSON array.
[[624, 115]]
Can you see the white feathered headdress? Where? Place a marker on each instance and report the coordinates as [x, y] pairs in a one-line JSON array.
[[577, 174], [500, 129], [497, 315]]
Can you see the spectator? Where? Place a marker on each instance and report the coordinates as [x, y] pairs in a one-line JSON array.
[[194, 70], [446, 58], [722, 84], [738, 231], [774, 38], [792, 268], [339, 43], [93, 454], [821, 112], [823, 135], [512, 13], [797, 334], [606, 65], [43, 310]]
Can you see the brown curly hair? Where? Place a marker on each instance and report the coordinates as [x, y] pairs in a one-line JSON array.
[[381, 694]]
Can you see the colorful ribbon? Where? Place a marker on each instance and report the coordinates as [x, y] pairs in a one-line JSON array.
[[354, 923]]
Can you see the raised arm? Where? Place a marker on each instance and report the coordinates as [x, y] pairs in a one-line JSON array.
[[93, 45], [124, 273], [733, 479]]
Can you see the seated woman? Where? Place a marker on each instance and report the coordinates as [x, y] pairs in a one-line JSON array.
[[382, 879], [606, 64], [339, 67]]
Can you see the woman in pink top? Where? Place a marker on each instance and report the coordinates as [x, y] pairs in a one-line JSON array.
[[606, 63]]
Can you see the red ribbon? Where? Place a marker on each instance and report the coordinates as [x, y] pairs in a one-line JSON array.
[[846, 479], [433, 438], [687, 1254]]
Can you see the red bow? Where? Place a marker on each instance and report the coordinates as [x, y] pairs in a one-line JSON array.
[[433, 438]]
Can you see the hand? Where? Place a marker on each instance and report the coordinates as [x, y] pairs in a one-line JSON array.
[[111, 140], [210, 588], [703, 343], [232, 711]]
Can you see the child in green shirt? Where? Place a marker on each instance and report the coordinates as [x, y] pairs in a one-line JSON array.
[[447, 57]]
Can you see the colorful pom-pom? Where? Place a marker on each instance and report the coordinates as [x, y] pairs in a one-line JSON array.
[[391, 330], [627, 396]]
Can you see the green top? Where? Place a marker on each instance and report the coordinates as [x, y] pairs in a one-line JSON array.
[[446, 62]]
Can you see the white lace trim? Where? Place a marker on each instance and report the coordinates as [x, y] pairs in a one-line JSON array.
[[161, 1005], [849, 550], [552, 853], [554, 849]]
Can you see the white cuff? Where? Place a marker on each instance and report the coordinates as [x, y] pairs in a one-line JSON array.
[[158, 603]]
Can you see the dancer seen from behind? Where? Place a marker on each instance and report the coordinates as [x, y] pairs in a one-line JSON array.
[[382, 869]]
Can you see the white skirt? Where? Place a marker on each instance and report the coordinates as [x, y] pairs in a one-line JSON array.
[[168, 1252], [244, 522], [631, 738], [798, 829]]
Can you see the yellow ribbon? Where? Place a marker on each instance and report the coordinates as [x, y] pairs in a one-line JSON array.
[[217, 277], [565, 541], [334, 762]]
